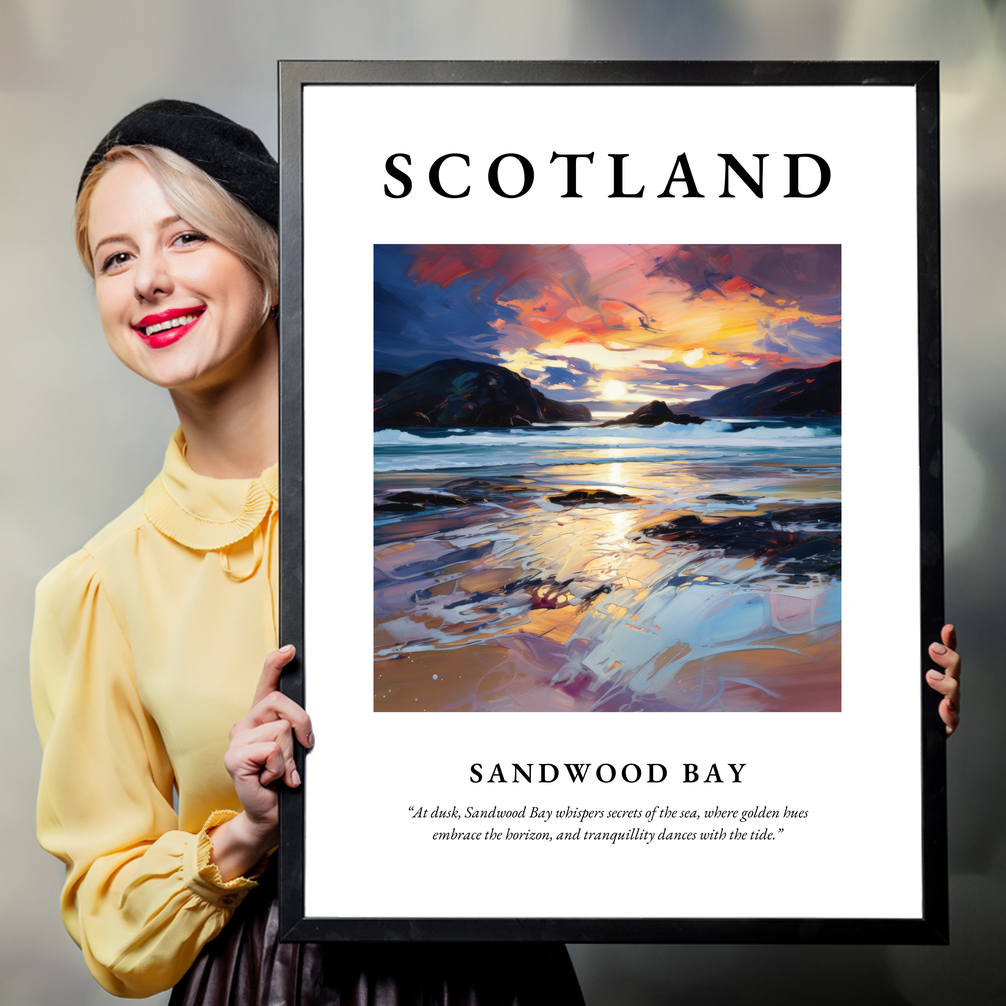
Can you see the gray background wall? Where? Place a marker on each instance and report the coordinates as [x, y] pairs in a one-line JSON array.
[[81, 436]]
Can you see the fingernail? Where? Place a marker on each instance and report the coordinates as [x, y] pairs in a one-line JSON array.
[[287, 649], [310, 740], [951, 706], [295, 777], [937, 675], [938, 648]]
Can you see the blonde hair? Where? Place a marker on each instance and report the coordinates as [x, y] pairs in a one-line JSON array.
[[199, 200]]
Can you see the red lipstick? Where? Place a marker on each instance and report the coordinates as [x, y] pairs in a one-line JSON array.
[[166, 327]]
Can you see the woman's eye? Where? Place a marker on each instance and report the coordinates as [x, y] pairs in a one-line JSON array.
[[114, 261], [190, 238]]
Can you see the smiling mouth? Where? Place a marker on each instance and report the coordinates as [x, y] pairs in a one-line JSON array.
[[165, 324], [185, 319]]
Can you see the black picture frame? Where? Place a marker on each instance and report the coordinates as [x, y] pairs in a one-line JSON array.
[[931, 927]]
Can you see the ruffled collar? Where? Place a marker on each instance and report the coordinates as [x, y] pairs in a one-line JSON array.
[[203, 513]]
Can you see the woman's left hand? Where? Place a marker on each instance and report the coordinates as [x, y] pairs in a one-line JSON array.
[[948, 681]]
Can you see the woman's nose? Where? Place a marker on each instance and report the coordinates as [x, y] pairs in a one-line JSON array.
[[152, 277]]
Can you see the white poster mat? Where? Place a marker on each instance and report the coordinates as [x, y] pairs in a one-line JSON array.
[[857, 773]]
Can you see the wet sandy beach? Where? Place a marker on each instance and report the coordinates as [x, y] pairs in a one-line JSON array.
[[671, 585]]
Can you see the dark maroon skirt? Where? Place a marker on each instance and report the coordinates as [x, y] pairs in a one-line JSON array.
[[246, 965]]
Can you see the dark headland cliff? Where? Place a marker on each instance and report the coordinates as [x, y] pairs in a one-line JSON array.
[[464, 393], [797, 391]]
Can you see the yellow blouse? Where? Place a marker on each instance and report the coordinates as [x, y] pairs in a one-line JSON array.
[[147, 647]]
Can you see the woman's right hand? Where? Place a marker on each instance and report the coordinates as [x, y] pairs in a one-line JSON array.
[[260, 753]]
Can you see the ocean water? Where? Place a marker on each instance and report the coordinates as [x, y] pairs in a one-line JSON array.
[[569, 567]]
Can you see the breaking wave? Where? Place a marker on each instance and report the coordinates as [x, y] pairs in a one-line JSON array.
[[427, 450]]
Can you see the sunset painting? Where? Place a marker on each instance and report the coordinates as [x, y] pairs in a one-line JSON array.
[[607, 478]]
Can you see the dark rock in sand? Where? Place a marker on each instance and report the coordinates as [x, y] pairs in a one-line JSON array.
[[797, 391], [799, 540], [468, 394], [729, 498], [483, 491], [578, 496], [399, 508], [410, 502], [539, 593], [653, 414]]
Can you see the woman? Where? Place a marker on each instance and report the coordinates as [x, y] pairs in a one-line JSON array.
[[148, 643]]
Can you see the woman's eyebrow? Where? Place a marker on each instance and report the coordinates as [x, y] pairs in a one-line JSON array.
[[109, 240], [160, 225]]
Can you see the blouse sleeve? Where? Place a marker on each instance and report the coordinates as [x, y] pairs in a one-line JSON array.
[[141, 898]]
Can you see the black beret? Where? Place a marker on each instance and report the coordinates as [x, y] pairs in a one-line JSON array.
[[231, 154]]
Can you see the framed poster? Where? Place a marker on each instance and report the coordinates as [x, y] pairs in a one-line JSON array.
[[622, 382]]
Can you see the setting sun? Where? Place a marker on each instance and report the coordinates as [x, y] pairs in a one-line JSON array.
[[614, 389]]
